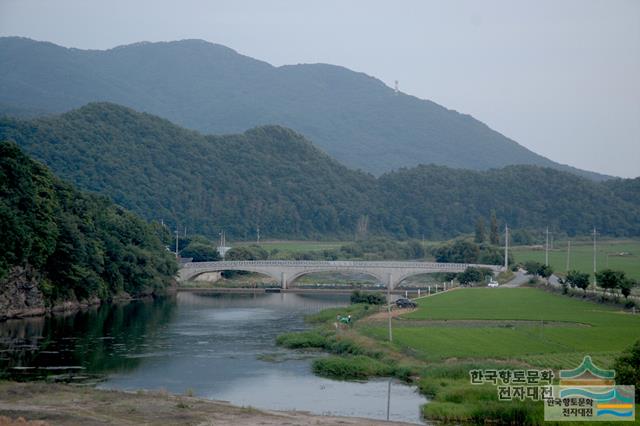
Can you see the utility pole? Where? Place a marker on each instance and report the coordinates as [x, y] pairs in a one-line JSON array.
[[568, 255], [594, 256], [506, 247], [389, 308], [388, 398], [546, 249], [177, 242], [258, 235]]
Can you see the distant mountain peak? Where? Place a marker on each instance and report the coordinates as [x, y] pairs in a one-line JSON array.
[[350, 115]]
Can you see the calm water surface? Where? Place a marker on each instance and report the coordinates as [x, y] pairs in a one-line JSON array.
[[219, 346]]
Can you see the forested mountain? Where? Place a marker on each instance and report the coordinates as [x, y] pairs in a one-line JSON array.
[[438, 198], [207, 87], [273, 178], [627, 189], [73, 245], [269, 177]]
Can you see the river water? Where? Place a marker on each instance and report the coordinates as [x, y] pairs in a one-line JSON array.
[[218, 346]]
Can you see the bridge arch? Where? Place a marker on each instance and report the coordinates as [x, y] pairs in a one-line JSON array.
[[398, 280], [294, 276], [192, 275]]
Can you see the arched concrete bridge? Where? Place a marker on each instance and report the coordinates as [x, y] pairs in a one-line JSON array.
[[286, 271]]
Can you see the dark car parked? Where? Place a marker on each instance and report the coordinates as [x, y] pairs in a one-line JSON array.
[[405, 303]]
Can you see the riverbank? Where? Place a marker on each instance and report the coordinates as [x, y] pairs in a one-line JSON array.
[[437, 345], [58, 404]]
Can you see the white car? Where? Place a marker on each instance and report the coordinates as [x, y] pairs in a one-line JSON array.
[[493, 283]]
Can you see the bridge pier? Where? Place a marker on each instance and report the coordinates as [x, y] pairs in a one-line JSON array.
[[283, 281]]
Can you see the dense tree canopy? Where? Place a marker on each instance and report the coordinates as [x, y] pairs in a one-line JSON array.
[[272, 178], [82, 245], [465, 251], [578, 279]]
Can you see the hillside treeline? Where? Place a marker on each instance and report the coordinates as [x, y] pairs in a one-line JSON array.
[[273, 178]]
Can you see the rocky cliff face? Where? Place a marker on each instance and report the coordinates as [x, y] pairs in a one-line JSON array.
[[20, 295]]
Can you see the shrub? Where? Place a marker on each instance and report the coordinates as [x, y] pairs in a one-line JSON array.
[[302, 340], [356, 367], [368, 298]]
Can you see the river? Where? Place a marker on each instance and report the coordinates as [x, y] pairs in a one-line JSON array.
[[217, 346]]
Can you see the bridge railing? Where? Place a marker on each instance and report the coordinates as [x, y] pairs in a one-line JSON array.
[[336, 263]]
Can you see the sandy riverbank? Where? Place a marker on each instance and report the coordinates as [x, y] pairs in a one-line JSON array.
[[58, 404]]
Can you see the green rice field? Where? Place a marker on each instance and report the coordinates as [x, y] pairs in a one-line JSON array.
[[521, 324], [621, 255]]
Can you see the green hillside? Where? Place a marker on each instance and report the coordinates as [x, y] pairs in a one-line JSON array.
[[353, 117], [75, 245], [269, 177], [273, 178], [523, 196]]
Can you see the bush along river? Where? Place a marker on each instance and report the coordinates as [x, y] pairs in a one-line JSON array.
[[216, 346]]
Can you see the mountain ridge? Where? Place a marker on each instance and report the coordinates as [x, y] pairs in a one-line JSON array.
[[209, 87]]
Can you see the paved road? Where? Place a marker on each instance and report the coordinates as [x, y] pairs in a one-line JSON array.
[[520, 278]]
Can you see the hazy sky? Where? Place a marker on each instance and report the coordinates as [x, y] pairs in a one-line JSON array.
[[560, 77]]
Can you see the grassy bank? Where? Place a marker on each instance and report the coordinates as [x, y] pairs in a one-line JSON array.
[[436, 346]]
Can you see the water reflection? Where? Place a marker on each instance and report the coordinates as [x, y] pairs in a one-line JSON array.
[[218, 346], [92, 341]]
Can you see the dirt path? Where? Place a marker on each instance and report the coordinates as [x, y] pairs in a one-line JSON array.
[[383, 315], [57, 404], [396, 312]]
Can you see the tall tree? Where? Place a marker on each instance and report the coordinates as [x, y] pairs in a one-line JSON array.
[[626, 286], [470, 275], [609, 279], [578, 279], [494, 238], [480, 231]]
